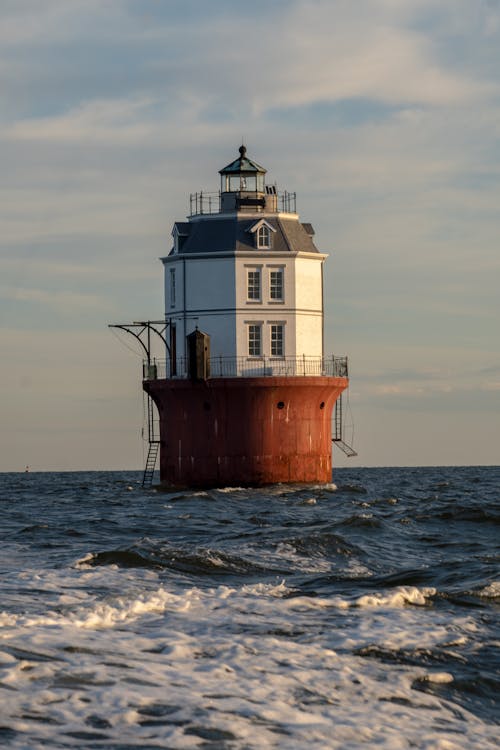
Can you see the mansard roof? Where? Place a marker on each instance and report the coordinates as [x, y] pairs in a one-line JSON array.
[[182, 228], [254, 226], [231, 234]]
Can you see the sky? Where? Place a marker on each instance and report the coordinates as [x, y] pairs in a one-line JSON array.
[[383, 116]]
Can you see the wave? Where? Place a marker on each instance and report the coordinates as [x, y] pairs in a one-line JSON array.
[[100, 614], [491, 591], [362, 520], [119, 610], [321, 544], [355, 489], [401, 597], [201, 561], [458, 512], [407, 577]]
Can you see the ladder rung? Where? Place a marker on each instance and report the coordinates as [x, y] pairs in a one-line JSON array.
[[344, 447], [149, 470]]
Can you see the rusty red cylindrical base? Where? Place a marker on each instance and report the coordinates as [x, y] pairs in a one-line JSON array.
[[245, 431]]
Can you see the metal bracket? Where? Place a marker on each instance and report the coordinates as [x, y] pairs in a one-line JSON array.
[[159, 327]]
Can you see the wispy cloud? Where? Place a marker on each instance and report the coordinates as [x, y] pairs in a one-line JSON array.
[[109, 122], [58, 300]]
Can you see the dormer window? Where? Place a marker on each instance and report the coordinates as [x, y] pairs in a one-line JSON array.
[[263, 234], [179, 233], [263, 237]]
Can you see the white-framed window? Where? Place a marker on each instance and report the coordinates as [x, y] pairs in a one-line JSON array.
[[262, 234], [276, 286], [254, 340], [263, 237], [277, 340], [253, 285], [172, 287]]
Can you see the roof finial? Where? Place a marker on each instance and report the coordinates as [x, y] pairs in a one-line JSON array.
[[242, 149]]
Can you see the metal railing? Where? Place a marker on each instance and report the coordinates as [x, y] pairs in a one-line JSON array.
[[210, 203], [250, 367], [204, 203], [288, 202]]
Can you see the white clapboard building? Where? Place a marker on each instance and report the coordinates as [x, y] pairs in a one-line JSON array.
[[244, 270]]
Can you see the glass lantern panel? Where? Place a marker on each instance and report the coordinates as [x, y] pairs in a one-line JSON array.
[[237, 182], [248, 182]]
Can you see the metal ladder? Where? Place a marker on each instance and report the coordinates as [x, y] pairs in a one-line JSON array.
[[337, 431], [149, 469]]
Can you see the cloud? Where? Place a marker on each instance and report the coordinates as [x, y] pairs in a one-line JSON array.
[[491, 386], [64, 271], [332, 55], [58, 300], [383, 115], [308, 52], [436, 388], [109, 122]]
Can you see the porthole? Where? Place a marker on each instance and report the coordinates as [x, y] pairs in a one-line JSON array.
[[280, 404], [322, 405]]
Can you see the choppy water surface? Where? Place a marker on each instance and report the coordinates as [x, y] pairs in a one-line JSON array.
[[362, 614]]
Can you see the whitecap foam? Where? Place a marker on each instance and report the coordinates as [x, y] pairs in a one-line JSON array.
[[286, 551], [267, 589], [328, 487], [214, 559], [399, 597], [440, 678], [159, 660], [7, 619], [6, 659], [492, 591], [85, 560]]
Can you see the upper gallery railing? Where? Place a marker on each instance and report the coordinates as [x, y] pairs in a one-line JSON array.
[[210, 203], [249, 367]]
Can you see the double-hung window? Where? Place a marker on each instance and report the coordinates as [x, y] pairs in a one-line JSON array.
[[277, 340], [263, 237], [172, 287], [253, 285], [255, 340], [276, 285]]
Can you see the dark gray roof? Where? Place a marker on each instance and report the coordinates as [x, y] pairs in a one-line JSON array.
[[182, 228], [242, 164], [231, 234]]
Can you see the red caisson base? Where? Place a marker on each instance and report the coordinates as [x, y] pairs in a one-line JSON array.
[[245, 431]]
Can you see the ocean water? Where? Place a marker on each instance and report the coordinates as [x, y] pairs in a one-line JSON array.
[[361, 614]]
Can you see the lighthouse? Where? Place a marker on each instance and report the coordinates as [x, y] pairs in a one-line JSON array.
[[246, 393]]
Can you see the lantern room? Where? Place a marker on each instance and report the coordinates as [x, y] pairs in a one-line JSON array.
[[242, 184]]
